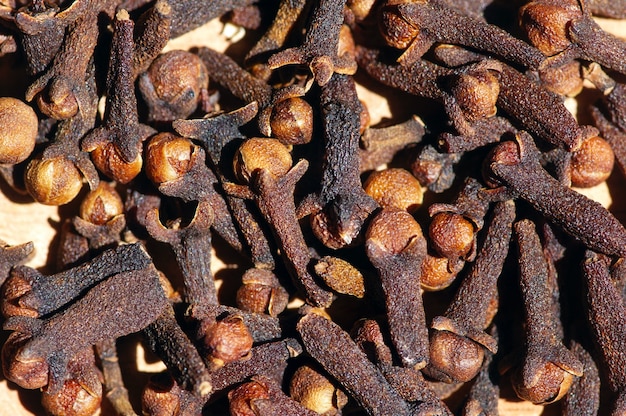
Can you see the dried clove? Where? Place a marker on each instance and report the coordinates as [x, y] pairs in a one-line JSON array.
[[343, 204], [97, 316], [548, 368], [458, 340], [516, 164], [396, 247], [427, 22], [330, 346], [29, 293], [166, 338], [320, 50], [266, 163], [115, 146]]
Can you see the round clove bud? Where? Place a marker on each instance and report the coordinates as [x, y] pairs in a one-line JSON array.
[[315, 391], [12, 291], [108, 160], [241, 400], [18, 130], [550, 384], [592, 163], [455, 357], [369, 337], [476, 93], [101, 205], [261, 153], [168, 157], [163, 397], [59, 101], [261, 292], [396, 31], [564, 79], [54, 181], [436, 274], [74, 399], [451, 235], [506, 153], [227, 340], [29, 374], [172, 87], [291, 121], [546, 25], [395, 188]]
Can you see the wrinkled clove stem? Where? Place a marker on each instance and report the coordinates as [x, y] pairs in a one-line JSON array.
[[168, 341], [330, 346]]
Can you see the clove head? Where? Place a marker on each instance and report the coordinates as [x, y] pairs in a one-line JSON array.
[[451, 235], [395, 188], [101, 205], [549, 384], [30, 373], [54, 181], [260, 153], [173, 84], [74, 398], [227, 340], [18, 130], [163, 397], [564, 79], [59, 102], [476, 93], [241, 400], [108, 160], [315, 391], [14, 288], [168, 157], [592, 163], [546, 24], [506, 153], [291, 121], [396, 31], [453, 357], [261, 292], [436, 274], [393, 231]]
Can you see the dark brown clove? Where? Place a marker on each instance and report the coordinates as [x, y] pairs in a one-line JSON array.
[[36, 295], [267, 163], [192, 248], [121, 133], [396, 247], [605, 311], [565, 30], [516, 165], [168, 341], [124, 303], [320, 49], [548, 368], [344, 205], [458, 340], [330, 346], [433, 21]]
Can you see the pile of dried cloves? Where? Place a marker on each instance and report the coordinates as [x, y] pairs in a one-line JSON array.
[[414, 267]]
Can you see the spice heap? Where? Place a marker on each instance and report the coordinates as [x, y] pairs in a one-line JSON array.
[[441, 255]]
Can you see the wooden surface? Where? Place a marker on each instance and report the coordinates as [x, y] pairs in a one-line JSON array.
[[22, 221]]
